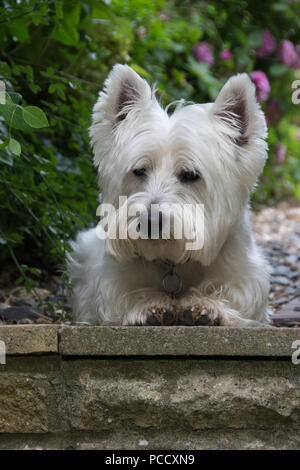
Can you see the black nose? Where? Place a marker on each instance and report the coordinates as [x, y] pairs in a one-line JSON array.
[[155, 225]]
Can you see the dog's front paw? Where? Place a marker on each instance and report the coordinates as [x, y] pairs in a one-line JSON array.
[[198, 315], [161, 316], [177, 315], [153, 316], [187, 315]]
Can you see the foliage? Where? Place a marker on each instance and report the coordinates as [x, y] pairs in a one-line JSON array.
[[54, 58]]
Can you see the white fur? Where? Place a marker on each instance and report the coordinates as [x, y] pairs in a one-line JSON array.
[[120, 281]]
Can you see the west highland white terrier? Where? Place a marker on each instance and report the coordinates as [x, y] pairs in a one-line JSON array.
[[201, 156]]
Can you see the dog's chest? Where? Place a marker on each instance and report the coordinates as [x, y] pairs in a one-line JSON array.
[[161, 277]]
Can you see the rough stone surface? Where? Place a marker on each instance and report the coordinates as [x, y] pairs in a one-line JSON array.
[[23, 405], [56, 401], [216, 439], [33, 397], [180, 394], [148, 341], [29, 339], [53, 403], [176, 341]]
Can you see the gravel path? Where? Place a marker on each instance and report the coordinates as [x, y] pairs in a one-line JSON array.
[[277, 230]]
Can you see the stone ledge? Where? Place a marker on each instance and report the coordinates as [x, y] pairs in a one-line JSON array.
[[29, 339], [148, 341], [176, 341]]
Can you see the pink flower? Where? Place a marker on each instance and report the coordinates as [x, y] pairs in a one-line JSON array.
[[297, 61], [142, 32], [164, 16], [298, 134], [287, 53], [226, 54], [273, 111], [262, 85], [203, 53], [280, 152], [268, 45]]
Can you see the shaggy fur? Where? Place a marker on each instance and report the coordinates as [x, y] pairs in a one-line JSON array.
[[120, 281]]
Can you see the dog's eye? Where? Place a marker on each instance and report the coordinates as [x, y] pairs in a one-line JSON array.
[[187, 176], [139, 172]]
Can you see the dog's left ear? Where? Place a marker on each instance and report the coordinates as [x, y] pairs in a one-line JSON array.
[[237, 109]]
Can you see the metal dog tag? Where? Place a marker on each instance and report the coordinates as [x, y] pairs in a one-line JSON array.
[[172, 283]]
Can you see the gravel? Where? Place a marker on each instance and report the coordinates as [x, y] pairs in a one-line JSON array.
[[278, 231]]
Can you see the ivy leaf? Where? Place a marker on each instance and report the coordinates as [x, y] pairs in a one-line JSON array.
[[35, 117], [14, 146]]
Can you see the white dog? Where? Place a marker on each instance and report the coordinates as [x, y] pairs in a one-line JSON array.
[[209, 154]]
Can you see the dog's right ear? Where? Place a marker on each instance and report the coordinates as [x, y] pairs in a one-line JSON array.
[[123, 90]]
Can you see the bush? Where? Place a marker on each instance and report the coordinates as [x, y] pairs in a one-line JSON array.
[[55, 56]]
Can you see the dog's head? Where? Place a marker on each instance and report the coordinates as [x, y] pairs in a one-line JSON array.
[[202, 154]]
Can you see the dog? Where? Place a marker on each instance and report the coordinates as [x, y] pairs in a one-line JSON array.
[[200, 155]]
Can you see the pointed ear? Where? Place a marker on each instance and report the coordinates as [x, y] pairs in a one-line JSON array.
[[123, 90], [236, 108]]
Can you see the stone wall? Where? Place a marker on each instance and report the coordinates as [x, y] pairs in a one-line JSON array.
[[149, 387]]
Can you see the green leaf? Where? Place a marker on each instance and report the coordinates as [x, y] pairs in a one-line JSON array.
[[4, 144], [12, 114], [19, 29], [276, 70], [140, 70], [279, 6], [16, 98], [14, 146], [2, 240], [202, 71], [255, 38], [35, 117], [6, 158], [102, 11], [59, 10], [67, 33], [58, 88]]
